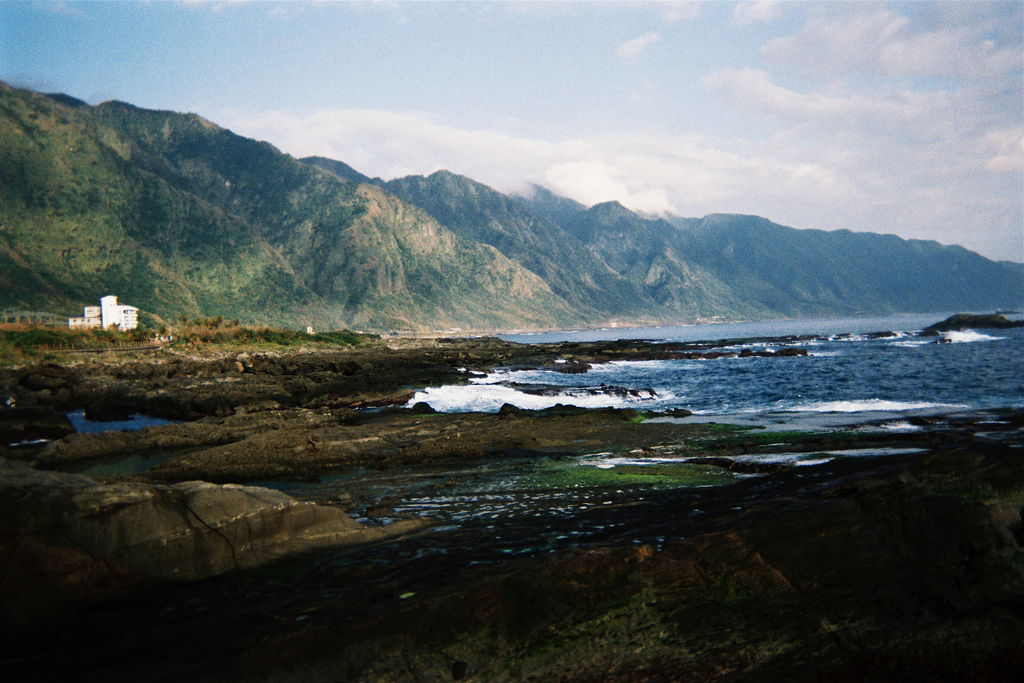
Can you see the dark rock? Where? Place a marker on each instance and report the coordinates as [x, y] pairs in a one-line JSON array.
[[970, 321], [66, 537], [380, 511], [509, 410], [569, 367], [897, 568], [347, 416], [678, 412], [550, 390], [738, 466], [49, 376], [422, 408], [31, 423]]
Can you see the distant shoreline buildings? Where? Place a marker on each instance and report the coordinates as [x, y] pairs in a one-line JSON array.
[[108, 314]]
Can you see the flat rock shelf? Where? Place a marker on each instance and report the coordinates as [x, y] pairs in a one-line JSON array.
[[298, 516]]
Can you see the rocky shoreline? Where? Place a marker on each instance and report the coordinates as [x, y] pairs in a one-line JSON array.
[[396, 543]]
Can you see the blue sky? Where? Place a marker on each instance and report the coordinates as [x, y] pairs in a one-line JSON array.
[[900, 117]]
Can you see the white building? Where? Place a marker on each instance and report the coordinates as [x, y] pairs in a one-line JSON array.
[[108, 314]]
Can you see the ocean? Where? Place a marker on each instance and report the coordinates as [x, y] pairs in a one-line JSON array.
[[849, 373]]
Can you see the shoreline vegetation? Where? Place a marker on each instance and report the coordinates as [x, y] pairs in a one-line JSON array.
[[21, 342], [298, 519], [26, 342]]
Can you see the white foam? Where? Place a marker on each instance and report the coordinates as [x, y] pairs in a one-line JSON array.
[[813, 461], [871, 404], [774, 458], [910, 344], [28, 442], [964, 336], [640, 364], [606, 461], [899, 426], [488, 398], [871, 452]]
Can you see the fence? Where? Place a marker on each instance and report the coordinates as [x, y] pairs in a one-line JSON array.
[[124, 346], [11, 315]]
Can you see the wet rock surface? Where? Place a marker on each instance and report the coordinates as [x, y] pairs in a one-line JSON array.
[[560, 544], [903, 567], [67, 538], [31, 423], [176, 386]]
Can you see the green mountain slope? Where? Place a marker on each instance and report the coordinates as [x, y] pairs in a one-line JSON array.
[[479, 213], [650, 254], [179, 216], [543, 202], [816, 272], [340, 169], [82, 218], [737, 266]]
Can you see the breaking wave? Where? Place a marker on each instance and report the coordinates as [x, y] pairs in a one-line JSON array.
[[865, 405], [488, 398], [964, 336]]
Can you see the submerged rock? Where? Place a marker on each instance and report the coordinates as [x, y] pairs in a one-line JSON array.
[[109, 411], [556, 390], [568, 366]]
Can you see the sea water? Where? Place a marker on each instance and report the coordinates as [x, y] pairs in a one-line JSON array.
[[848, 372], [84, 425]]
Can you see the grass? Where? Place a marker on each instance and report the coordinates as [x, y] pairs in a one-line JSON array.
[[573, 474], [21, 343], [215, 332], [757, 439]]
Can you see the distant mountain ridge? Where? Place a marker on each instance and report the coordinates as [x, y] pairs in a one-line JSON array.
[[181, 217], [727, 265]]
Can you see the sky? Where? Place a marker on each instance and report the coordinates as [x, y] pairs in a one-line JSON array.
[[890, 117]]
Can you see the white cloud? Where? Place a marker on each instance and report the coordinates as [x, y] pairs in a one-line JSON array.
[[673, 12], [682, 174], [947, 52], [882, 41], [214, 5], [762, 11], [632, 48], [1004, 149], [822, 169], [646, 92], [754, 88], [60, 8], [863, 119], [830, 44]]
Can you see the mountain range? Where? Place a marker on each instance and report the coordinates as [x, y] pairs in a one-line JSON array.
[[181, 217]]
